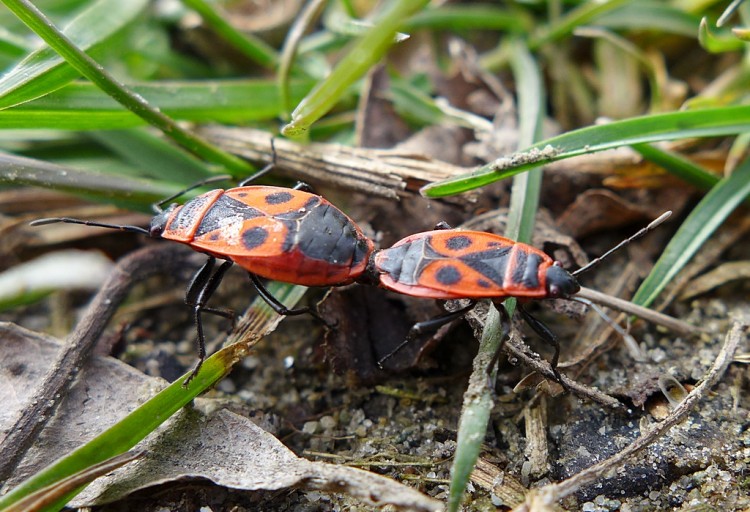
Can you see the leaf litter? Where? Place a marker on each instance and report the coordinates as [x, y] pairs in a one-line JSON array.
[[206, 441]]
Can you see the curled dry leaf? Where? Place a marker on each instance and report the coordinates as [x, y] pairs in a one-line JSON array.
[[220, 446], [721, 275]]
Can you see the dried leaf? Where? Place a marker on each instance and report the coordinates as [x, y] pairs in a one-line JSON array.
[[218, 445], [721, 275]]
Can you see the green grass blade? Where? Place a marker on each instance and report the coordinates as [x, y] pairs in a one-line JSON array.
[[364, 54], [678, 165], [82, 106], [37, 21], [713, 122], [471, 17], [648, 15], [524, 203], [153, 156], [705, 218], [129, 431], [585, 13], [254, 48], [44, 70], [475, 413], [122, 191], [718, 43]]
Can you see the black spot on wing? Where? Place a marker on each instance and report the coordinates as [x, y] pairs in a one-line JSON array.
[[458, 242], [279, 197], [254, 237], [448, 275], [224, 209], [483, 283]]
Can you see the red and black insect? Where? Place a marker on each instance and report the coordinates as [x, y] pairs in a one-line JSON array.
[[277, 233], [457, 264]]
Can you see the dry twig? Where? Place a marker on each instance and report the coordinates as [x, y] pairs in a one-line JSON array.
[[550, 494]]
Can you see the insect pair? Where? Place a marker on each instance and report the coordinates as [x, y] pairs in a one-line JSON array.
[[295, 236]]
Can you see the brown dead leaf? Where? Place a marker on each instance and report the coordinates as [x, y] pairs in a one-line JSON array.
[[217, 445], [721, 275], [232, 451]]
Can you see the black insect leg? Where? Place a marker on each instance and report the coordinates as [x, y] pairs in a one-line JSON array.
[[200, 290], [158, 207], [304, 187], [280, 308], [549, 338], [442, 225], [432, 324], [268, 168]]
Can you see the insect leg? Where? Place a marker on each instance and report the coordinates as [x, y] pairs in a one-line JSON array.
[[304, 187], [432, 324], [197, 285], [268, 168], [548, 336], [280, 308], [200, 290], [442, 225], [158, 207], [199, 281]]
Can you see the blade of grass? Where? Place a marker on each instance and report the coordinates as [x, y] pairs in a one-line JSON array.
[[127, 192], [129, 431], [82, 106], [478, 399], [46, 498], [585, 13], [364, 54], [302, 22], [678, 165], [698, 227], [153, 156], [254, 48], [711, 122], [471, 17], [627, 47], [713, 43], [38, 22], [649, 15], [44, 70]]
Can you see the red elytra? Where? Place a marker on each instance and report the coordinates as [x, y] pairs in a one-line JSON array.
[[455, 264], [276, 233]]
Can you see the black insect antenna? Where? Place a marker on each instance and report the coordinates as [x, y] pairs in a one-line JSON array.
[[656, 222], [69, 220]]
